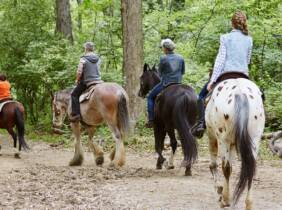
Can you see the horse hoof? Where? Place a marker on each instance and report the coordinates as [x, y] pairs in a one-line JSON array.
[[188, 172], [158, 167], [76, 161], [170, 167], [17, 156], [219, 190], [99, 160], [223, 205]]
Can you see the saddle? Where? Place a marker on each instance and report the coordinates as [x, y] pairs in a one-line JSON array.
[[223, 77], [2, 104], [85, 96], [159, 95]]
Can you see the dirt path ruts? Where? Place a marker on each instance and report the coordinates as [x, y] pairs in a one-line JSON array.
[[41, 179]]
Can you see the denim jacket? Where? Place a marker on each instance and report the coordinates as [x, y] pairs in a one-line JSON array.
[[238, 46], [171, 68]]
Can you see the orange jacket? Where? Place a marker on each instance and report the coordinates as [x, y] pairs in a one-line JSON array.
[[5, 90]]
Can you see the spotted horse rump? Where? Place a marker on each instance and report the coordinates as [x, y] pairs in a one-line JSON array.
[[235, 122]]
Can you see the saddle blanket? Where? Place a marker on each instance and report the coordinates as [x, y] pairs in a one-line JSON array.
[[87, 93], [5, 102]]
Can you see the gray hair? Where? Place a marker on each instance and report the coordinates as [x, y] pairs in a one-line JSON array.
[[89, 46], [168, 44]]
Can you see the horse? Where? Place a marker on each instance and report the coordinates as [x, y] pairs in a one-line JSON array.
[[175, 108], [11, 115], [235, 122], [107, 103]]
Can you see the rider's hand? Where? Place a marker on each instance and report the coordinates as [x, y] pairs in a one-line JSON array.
[[210, 86]]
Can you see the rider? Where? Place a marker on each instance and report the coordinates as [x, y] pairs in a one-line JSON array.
[[171, 69], [234, 55], [87, 74], [5, 89]]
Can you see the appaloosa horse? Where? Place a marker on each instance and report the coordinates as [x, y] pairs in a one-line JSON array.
[[12, 114], [175, 108], [235, 122], [107, 103]]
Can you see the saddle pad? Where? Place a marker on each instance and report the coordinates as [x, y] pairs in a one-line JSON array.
[[5, 102], [87, 94]]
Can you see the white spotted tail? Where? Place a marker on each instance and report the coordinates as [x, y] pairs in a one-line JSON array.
[[235, 122]]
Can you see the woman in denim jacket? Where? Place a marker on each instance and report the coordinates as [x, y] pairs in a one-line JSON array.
[[234, 55]]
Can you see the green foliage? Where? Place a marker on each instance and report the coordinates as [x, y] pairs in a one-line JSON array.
[[38, 62]]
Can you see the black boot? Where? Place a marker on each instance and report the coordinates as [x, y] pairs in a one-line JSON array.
[[199, 128]]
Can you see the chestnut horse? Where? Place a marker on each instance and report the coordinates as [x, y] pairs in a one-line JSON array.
[[107, 103], [175, 108], [235, 122], [12, 114]]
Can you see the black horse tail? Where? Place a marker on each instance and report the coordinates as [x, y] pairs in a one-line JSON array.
[[244, 145], [185, 108], [20, 128], [123, 115]]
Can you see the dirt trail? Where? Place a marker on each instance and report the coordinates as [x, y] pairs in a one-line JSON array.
[[41, 179]]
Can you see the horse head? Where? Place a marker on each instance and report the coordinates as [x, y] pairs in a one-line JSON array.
[[148, 80], [60, 107]]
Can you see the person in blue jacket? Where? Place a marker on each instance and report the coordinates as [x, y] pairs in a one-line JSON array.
[[171, 69]]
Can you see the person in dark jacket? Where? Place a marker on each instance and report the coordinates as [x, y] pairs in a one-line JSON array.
[[171, 69], [87, 74]]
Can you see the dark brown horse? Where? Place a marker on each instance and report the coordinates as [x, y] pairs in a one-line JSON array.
[[175, 108], [12, 114]]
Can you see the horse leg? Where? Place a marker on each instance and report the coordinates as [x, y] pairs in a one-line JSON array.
[[226, 169], [14, 136], [213, 149], [118, 154], [97, 151], [159, 133], [173, 144], [78, 152]]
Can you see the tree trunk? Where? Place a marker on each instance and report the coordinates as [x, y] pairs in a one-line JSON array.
[[132, 52], [79, 17], [63, 19]]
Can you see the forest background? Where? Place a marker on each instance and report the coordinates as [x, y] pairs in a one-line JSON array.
[[38, 61]]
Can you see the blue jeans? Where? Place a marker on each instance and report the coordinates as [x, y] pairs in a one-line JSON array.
[[204, 92], [151, 99]]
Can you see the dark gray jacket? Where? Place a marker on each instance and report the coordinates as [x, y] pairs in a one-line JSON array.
[[171, 68], [90, 72]]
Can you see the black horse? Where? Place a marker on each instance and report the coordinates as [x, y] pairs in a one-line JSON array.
[[175, 108]]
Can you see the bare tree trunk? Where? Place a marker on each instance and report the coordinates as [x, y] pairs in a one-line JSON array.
[[132, 52], [63, 19]]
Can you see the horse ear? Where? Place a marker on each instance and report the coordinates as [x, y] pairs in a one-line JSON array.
[[146, 67], [154, 67]]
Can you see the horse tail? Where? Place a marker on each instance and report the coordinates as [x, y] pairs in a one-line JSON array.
[[123, 115], [244, 145], [184, 108], [20, 128]]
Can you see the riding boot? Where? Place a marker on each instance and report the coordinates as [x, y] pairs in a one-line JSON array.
[[75, 105], [199, 128]]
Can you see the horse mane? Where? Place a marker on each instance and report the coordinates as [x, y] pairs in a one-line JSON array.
[[155, 73], [63, 95]]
